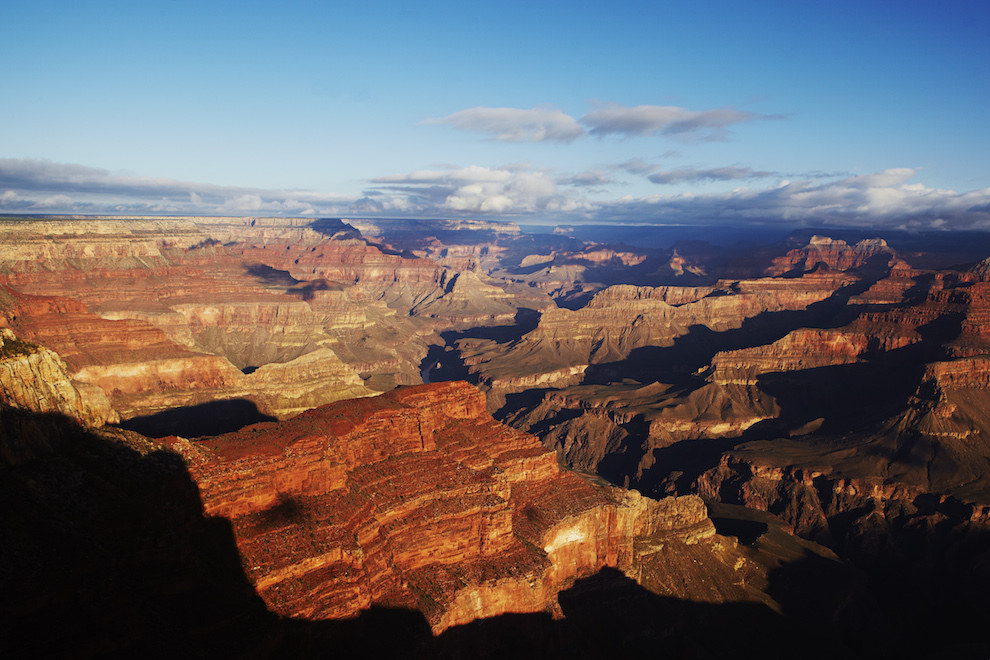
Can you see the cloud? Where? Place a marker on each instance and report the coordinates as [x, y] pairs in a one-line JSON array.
[[636, 166], [690, 175], [55, 202], [33, 185], [885, 198], [511, 190], [548, 124], [588, 179], [669, 120], [539, 124], [889, 198], [474, 174]]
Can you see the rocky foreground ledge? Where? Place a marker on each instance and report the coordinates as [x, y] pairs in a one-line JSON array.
[[419, 499], [410, 524]]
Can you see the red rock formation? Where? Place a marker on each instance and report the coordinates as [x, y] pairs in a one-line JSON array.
[[808, 348], [142, 371], [418, 498], [872, 254]]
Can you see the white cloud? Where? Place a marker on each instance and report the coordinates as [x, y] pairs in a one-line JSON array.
[[636, 166], [690, 174], [539, 124], [42, 185], [472, 173], [55, 202], [881, 199], [588, 179], [669, 120], [544, 124], [510, 190], [249, 202], [889, 198]]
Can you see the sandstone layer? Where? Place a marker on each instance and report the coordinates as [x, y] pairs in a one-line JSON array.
[[417, 498], [868, 254], [35, 379]]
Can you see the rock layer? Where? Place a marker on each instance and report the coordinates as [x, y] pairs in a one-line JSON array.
[[418, 498], [35, 379], [621, 319]]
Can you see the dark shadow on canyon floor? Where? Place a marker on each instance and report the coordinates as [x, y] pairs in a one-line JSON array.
[[211, 418], [845, 397], [695, 349], [443, 362]]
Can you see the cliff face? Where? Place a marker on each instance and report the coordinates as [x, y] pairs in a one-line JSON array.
[[34, 379], [882, 387], [870, 254], [141, 371], [417, 498], [806, 348]]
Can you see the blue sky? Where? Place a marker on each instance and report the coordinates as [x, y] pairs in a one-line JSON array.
[[865, 113]]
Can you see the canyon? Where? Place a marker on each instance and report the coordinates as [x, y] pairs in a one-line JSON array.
[[471, 433]]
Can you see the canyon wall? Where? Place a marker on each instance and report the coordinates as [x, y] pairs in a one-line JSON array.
[[417, 498], [285, 314]]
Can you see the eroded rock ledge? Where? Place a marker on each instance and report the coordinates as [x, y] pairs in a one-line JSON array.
[[418, 498]]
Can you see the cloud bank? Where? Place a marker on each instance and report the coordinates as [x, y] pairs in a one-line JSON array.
[[41, 186], [890, 198], [883, 199]]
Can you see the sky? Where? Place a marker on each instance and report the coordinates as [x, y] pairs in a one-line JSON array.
[[868, 113]]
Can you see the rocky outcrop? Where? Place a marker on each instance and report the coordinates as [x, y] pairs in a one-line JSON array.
[[870, 255], [418, 498], [909, 491], [834, 493], [136, 366], [467, 299], [34, 378], [805, 348]]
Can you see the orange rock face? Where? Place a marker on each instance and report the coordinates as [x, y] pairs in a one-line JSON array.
[[33, 378], [836, 254], [417, 498]]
